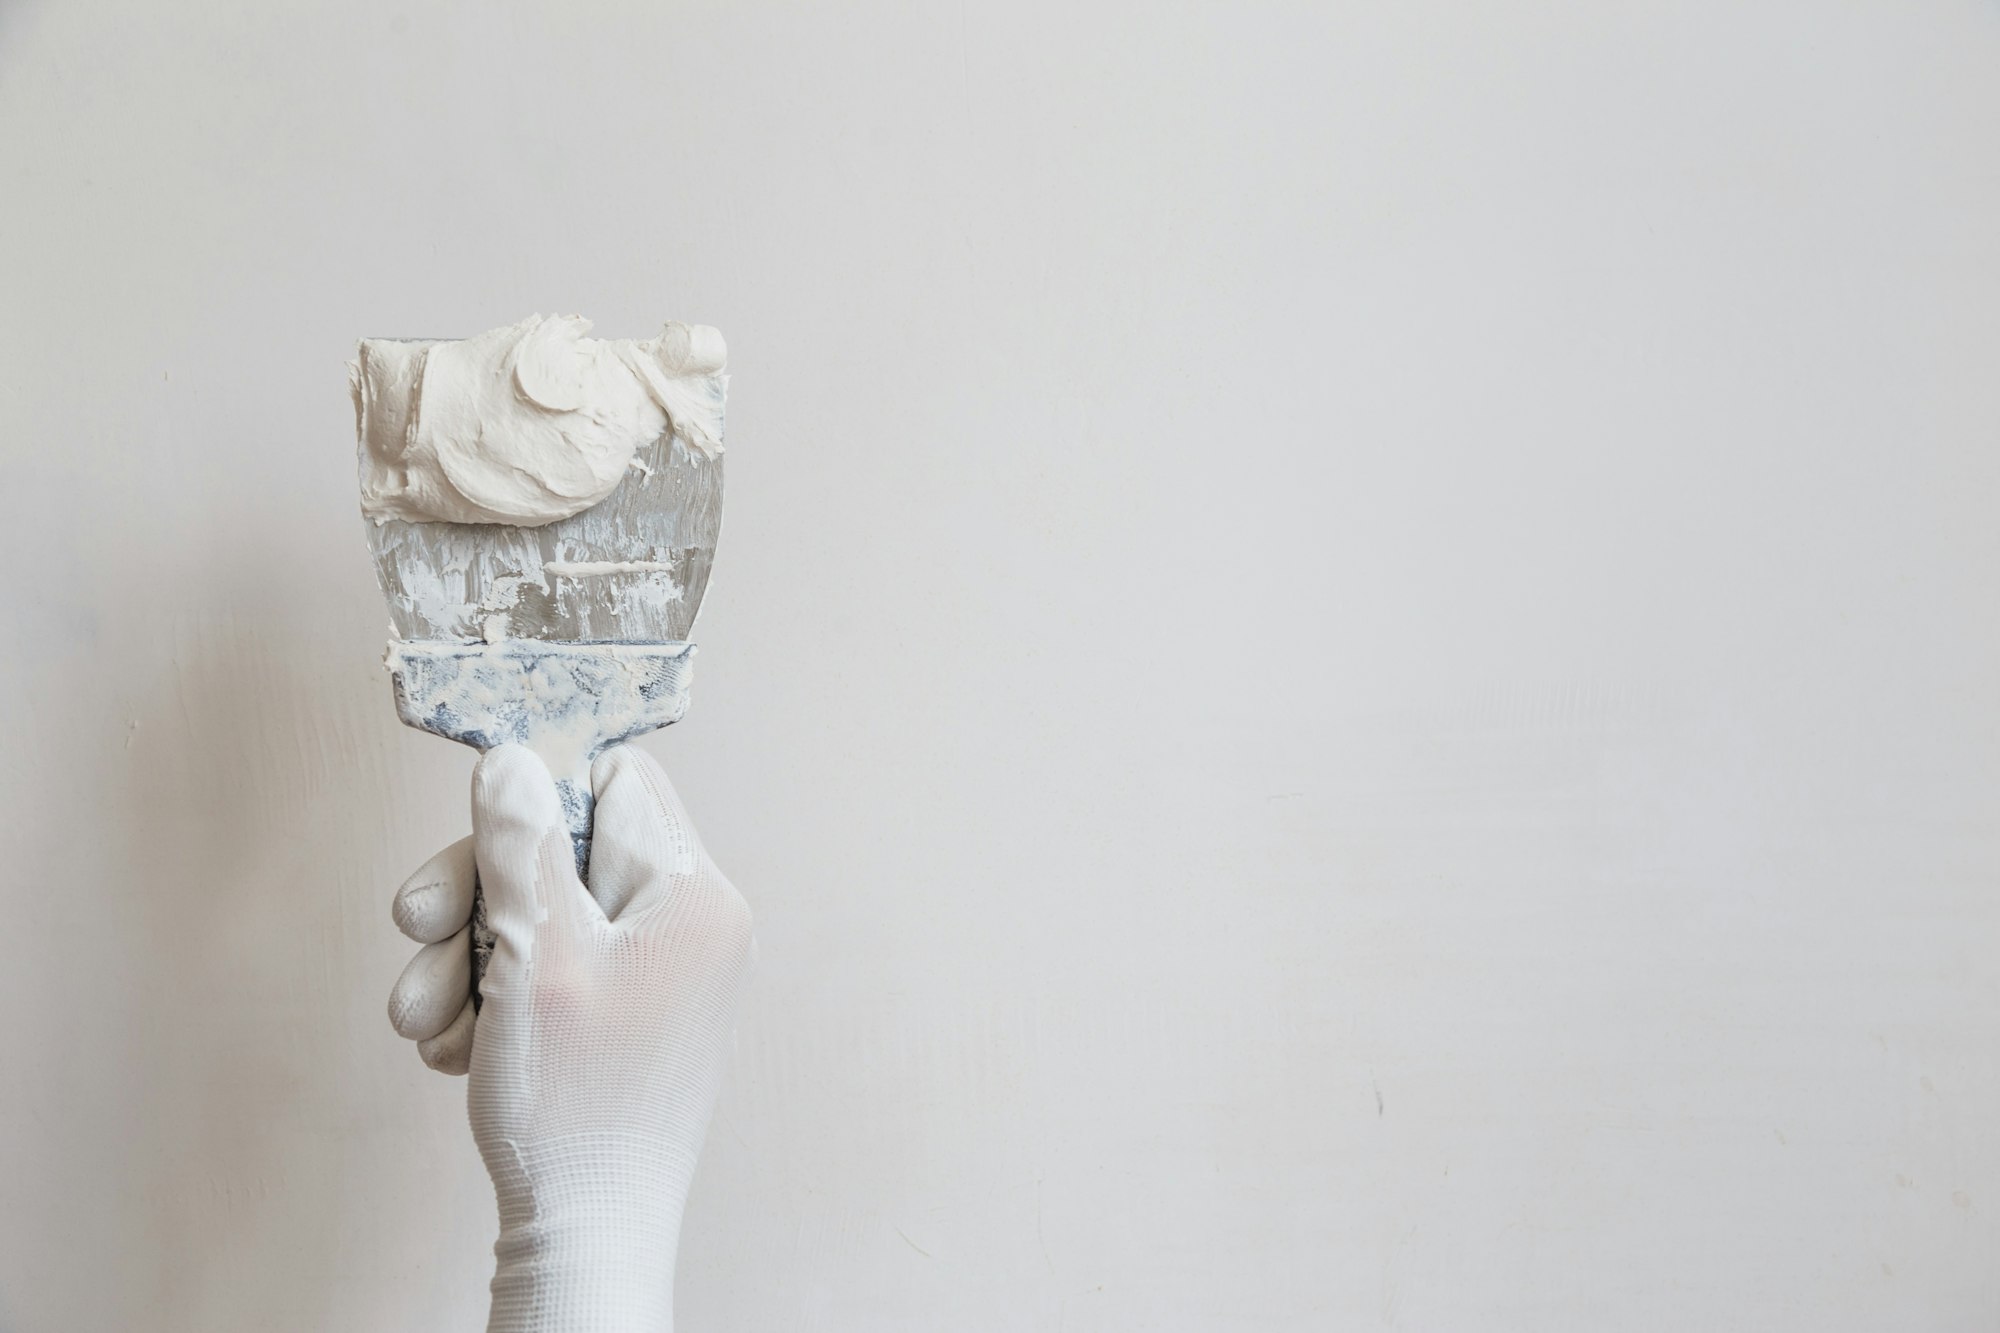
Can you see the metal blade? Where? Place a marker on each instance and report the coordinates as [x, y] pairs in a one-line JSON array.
[[631, 568]]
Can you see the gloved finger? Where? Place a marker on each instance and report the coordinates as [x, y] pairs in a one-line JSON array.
[[641, 843], [450, 1051], [433, 988], [521, 844], [436, 902]]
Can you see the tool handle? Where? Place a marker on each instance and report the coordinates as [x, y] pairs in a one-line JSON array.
[[568, 702]]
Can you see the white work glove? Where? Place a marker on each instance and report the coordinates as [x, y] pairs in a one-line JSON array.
[[598, 1050]]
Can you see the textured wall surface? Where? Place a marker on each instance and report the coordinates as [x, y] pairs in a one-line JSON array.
[[1353, 664]]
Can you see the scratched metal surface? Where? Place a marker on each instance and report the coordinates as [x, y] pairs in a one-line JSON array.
[[463, 581]]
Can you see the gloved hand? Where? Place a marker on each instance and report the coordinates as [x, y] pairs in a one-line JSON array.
[[597, 1052]]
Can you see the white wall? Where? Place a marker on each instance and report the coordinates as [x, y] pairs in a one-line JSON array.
[[1353, 668]]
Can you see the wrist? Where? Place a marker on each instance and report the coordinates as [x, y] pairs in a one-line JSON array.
[[587, 1240], [597, 1283]]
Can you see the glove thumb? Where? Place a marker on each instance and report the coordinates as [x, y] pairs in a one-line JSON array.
[[522, 845]]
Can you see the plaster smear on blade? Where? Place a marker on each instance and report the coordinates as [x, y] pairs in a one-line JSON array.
[[655, 589], [528, 424], [566, 702], [580, 569]]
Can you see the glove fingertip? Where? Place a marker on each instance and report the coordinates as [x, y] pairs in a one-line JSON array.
[[626, 777], [432, 988], [622, 764], [450, 1051], [511, 785], [436, 901]]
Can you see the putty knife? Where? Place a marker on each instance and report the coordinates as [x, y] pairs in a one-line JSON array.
[[566, 638]]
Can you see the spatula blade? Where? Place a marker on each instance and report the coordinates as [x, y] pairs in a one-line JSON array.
[[632, 568]]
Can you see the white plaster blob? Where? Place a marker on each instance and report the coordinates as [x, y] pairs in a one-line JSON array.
[[526, 424]]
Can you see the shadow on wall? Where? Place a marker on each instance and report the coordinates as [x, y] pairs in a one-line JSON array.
[[257, 747]]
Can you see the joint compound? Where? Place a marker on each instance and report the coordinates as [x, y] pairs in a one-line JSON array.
[[527, 424]]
